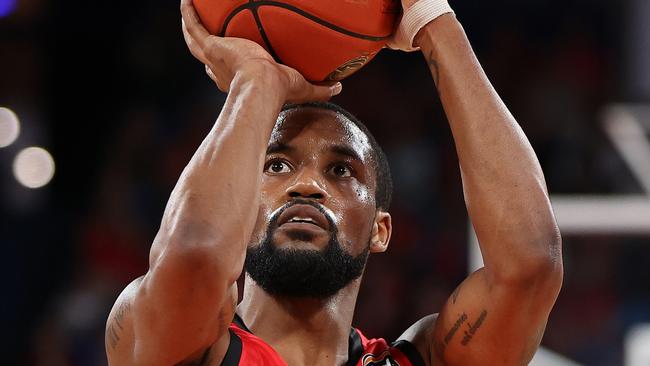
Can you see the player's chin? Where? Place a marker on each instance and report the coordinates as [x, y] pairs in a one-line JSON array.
[[287, 236]]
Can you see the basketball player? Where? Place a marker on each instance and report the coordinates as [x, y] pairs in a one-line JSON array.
[[299, 198]]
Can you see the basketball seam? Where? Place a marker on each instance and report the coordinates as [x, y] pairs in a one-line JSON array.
[[253, 6], [265, 38]]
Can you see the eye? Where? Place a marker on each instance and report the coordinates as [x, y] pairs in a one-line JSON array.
[[341, 170], [277, 166]]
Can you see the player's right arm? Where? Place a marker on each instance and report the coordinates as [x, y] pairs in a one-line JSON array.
[[183, 305]]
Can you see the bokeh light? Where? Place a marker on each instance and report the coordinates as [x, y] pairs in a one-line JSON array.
[[9, 126], [637, 346], [7, 7], [34, 167]]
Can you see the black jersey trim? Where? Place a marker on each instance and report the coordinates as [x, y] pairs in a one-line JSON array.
[[233, 354], [409, 350], [355, 348], [240, 323]]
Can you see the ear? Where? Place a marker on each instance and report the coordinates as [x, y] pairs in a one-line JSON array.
[[381, 232]]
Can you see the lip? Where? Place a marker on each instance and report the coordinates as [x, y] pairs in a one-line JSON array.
[[305, 211]]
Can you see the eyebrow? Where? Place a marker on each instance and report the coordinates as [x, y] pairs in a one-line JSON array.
[[278, 147], [346, 151]]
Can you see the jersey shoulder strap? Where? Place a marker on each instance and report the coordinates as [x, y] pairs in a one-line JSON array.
[[378, 352], [247, 349]]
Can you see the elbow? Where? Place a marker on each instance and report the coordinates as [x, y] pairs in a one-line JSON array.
[[545, 273], [549, 265], [538, 266]]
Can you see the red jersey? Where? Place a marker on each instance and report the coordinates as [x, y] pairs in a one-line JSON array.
[[247, 349]]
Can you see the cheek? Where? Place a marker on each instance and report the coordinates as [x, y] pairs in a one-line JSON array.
[[358, 196], [260, 227], [364, 196], [357, 213]]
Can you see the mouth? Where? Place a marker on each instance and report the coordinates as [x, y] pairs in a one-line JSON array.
[[301, 216]]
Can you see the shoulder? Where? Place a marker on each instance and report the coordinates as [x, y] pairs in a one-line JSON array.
[[120, 336], [420, 335], [119, 325], [122, 306]]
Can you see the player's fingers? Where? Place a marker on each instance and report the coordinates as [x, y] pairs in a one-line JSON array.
[[300, 90], [322, 89], [311, 92], [194, 48], [193, 23]]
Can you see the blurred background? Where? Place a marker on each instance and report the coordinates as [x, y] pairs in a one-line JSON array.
[[102, 107]]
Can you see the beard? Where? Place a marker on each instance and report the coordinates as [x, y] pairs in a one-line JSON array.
[[303, 272]]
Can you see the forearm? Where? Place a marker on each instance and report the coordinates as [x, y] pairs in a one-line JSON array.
[[504, 186], [214, 204]]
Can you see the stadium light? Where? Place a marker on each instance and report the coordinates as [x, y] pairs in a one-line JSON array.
[[9, 126], [33, 167]]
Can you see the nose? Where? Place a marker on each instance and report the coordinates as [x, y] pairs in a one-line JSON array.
[[307, 185]]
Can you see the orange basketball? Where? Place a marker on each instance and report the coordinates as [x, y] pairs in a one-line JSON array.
[[323, 39]]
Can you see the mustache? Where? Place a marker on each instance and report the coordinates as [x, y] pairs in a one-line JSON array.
[[273, 221]]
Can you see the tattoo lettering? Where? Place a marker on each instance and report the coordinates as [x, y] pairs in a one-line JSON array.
[[433, 66], [469, 333], [115, 327], [455, 328], [112, 336]]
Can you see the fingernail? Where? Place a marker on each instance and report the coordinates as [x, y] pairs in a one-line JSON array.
[[336, 88]]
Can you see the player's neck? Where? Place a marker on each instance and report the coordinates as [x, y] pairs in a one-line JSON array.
[[303, 331]]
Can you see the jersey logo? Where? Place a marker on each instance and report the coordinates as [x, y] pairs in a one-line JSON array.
[[383, 359]]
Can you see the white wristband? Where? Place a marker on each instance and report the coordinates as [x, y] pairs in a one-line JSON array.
[[414, 19]]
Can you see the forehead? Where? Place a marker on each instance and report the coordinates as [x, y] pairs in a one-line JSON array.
[[320, 126]]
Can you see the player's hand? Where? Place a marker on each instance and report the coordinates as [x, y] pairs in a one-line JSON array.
[[226, 58]]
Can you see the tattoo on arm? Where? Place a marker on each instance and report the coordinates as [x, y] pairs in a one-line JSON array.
[[461, 319], [115, 328], [469, 333], [440, 346], [433, 66]]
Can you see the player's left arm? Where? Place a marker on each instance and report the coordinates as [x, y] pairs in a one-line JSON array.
[[497, 316]]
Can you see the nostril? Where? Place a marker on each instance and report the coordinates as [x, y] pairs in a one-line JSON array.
[[316, 196]]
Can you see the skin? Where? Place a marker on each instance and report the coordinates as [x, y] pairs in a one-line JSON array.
[[222, 202], [303, 330]]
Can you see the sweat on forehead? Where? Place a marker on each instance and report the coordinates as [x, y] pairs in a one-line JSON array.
[[292, 122]]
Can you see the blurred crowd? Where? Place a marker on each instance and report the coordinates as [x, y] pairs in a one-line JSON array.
[[111, 89]]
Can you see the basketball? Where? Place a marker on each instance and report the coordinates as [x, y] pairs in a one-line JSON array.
[[326, 40]]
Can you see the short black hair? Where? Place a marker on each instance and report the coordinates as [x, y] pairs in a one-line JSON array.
[[384, 181]]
